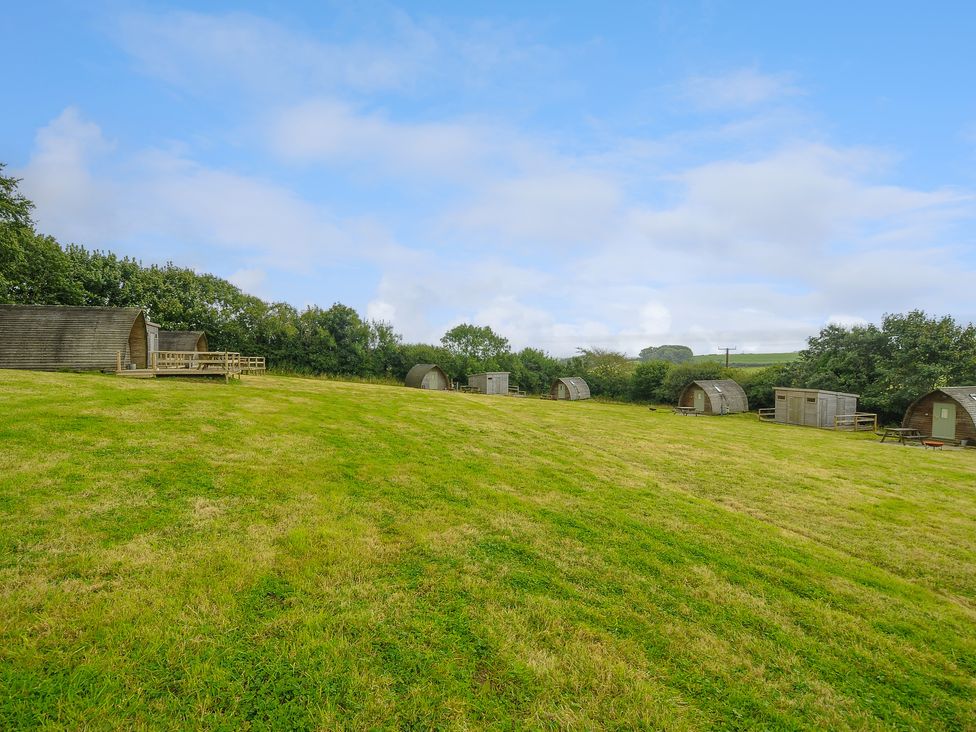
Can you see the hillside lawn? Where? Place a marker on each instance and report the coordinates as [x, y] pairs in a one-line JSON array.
[[745, 360], [287, 553]]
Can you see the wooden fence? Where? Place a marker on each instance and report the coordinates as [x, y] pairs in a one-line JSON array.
[[194, 363], [252, 365], [857, 422], [767, 414]]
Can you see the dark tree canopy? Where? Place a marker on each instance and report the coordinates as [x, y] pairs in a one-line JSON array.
[[15, 208], [671, 354]]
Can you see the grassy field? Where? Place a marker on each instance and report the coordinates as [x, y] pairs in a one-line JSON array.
[[748, 359], [289, 553]]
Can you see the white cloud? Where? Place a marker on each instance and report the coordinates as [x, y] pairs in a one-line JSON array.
[[332, 132], [158, 204], [802, 202], [361, 50], [737, 89], [59, 181], [555, 207], [198, 51], [249, 280]]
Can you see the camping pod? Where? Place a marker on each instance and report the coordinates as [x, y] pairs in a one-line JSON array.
[[948, 413], [569, 387], [714, 396], [74, 338], [427, 376], [183, 340]]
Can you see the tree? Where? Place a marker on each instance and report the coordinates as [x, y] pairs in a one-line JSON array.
[[534, 370], [759, 384], [474, 348], [15, 208], [671, 354], [607, 372], [648, 380], [384, 348], [477, 342], [34, 269]]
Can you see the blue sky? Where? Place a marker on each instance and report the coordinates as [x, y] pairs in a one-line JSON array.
[[572, 174]]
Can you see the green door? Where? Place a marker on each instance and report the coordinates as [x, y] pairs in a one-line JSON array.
[[944, 421], [699, 400]]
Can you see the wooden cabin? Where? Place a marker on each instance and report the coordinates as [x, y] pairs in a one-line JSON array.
[[74, 338], [714, 396], [490, 382], [812, 407], [182, 340], [569, 387], [428, 376], [948, 413]]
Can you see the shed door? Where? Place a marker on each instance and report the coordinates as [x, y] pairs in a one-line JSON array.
[[699, 400], [490, 385], [944, 421], [795, 410]]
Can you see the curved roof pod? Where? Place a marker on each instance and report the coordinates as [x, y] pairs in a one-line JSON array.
[[720, 396], [183, 340], [55, 337], [569, 387], [428, 376], [958, 423]]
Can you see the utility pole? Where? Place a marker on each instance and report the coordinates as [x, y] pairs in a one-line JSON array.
[[727, 349]]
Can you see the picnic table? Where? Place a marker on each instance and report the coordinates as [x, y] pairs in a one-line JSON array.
[[904, 435], [684, 411]]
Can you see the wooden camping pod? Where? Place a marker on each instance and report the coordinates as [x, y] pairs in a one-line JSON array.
[[948, 413], [714, 396], [569, 387], [57, 337], [427, 376], [183, 340]]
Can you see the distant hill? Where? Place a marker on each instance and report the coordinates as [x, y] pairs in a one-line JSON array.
[[745, 360]]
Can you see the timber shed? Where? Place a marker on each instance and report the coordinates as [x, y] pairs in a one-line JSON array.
[[73, 338], [948, 413], [714, 396], [812, 407], [428, 376], [182, 340], [490, 382], [569, 387]]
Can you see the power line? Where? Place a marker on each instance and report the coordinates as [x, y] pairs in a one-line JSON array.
[[727, 349]]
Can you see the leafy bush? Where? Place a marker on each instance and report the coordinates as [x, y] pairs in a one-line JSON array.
[[648, 380]]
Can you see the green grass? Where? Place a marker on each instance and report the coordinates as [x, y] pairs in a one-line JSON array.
[[739, 360], [292, 553]]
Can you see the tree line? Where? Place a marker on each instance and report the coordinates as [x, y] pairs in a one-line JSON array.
[[889, 364]]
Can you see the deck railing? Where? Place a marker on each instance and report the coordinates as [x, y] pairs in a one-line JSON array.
[[194, 363], [857, 422], [767, 414], [228, 362], [253, 365]]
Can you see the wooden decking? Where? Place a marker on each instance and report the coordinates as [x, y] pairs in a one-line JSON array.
[[220, 364]]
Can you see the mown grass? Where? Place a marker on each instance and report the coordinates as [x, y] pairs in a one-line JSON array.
[[747, 360], [292, 553]]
